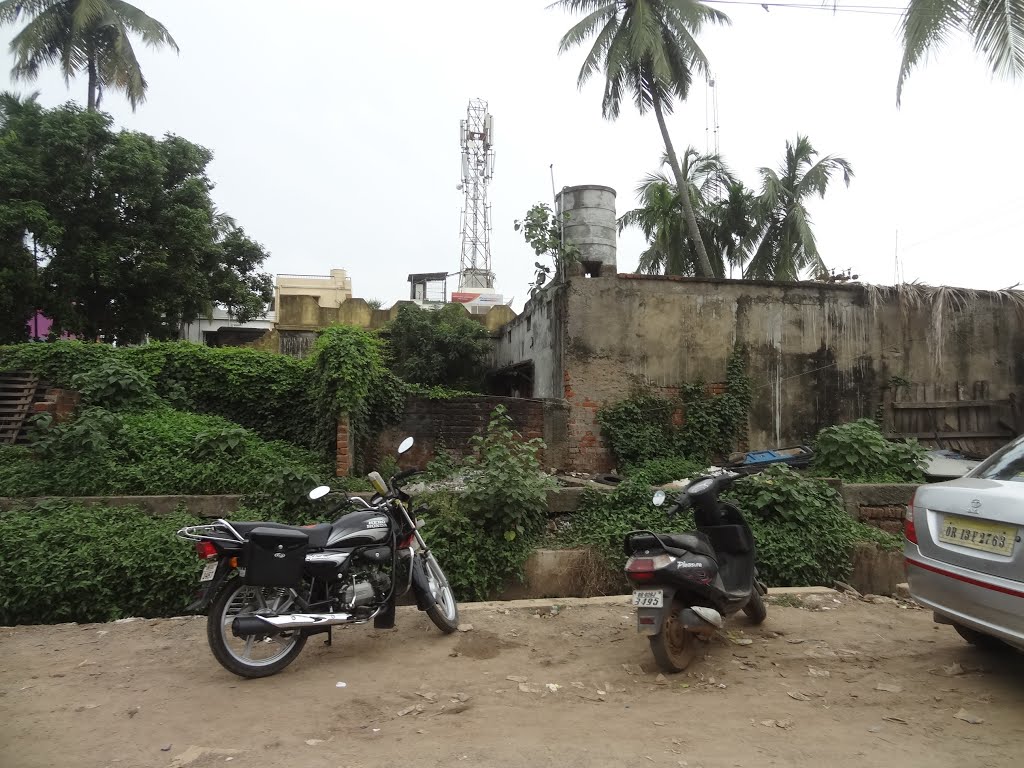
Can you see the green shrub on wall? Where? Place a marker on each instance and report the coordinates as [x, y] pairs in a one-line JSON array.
[[641, 427], [62, 562], [858, 452]]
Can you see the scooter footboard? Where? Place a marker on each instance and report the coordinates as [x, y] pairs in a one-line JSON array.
[[649, 621]]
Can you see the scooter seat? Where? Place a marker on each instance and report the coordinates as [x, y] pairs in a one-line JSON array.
[[697, 543]]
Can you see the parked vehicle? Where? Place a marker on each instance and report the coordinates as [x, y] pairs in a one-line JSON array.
[[268, 587], [684, 584], [963, 549]]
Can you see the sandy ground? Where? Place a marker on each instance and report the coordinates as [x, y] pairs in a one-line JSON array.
[[835, 682]]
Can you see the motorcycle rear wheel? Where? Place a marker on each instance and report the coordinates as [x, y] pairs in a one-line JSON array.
[[673, 647], [239, 599]]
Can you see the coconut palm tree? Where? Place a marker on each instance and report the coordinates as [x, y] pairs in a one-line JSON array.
[[647, 51], [91, 36], [786, 245], [997, 27], [723, 208]]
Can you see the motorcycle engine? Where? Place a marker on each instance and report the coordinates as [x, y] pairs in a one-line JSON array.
[[365, 587]]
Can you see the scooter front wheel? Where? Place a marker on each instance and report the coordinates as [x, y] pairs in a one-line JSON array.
[[673, 647]]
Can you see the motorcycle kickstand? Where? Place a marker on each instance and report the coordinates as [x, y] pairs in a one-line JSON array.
[[330, 637]]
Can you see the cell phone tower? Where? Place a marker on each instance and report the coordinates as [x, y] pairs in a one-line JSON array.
[[477, 137]]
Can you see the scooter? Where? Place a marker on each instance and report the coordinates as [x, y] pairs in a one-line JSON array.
[[685, 584]]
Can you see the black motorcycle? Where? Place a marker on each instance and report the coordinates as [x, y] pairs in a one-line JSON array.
[[685, 583], [268, 587]]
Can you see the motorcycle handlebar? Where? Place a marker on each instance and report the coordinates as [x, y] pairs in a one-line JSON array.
[[405, 475]]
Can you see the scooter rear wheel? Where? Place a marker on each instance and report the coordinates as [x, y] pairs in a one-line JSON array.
[[673, 648]]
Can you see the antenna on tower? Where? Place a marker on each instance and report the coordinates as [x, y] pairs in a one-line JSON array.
[[476, 135]]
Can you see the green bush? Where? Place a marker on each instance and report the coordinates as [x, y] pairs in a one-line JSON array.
[[506, 491], [666, 470], [858, 452], [115, 385], [153, 452], [62, 562], [804, 536]]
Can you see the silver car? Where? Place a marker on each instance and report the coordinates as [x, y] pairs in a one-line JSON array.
[[964, 555]]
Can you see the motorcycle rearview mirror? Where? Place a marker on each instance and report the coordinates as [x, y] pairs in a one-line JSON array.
[[319, 492], [659, 498], [406, 445]]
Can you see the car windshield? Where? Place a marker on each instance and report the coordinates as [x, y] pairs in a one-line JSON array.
[[1005, 464]]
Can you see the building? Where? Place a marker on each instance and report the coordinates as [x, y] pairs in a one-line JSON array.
[[331, 290], [219, 329]]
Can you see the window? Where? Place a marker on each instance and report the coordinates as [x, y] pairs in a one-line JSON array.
[[1005, 464]]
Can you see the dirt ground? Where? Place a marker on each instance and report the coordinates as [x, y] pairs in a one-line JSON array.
[[836, 682]]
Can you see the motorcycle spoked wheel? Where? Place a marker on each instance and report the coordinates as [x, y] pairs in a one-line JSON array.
[[445, 611], [673, 647], [256, 655]]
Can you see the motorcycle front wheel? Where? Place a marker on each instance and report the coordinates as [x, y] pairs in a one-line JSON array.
[[256, 655], [445, 611]]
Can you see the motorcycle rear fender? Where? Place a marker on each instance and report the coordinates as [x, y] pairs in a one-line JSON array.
[[208, 591], [424, 599], [649, 621]]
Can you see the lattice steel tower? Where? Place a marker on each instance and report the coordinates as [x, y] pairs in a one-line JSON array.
[[477, 136]]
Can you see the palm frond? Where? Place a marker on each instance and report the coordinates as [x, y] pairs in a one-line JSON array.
[[998, 30], [926, 26], [152, 32]]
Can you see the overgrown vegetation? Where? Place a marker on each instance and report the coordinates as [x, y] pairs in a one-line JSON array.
[[858, 452], [445, 347], [804, 536], [483, 537], [149, 452], [74, 563], [642, 427]]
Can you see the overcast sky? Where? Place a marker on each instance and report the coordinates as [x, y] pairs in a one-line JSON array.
[[335, 131]]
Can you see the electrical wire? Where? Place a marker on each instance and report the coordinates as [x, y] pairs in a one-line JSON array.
[[868, 10]]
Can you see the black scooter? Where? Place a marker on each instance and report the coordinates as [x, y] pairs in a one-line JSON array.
[[686, 583]]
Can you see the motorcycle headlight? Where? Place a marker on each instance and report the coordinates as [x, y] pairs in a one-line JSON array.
[[378, 483]]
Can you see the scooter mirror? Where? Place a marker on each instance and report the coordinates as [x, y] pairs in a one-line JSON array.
[[406, 445], [659, 498], [319, 492]]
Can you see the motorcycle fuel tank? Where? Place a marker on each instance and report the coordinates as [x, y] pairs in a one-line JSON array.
[[360, 529]]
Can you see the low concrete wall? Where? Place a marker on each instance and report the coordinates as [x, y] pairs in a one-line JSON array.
[[877, 504]]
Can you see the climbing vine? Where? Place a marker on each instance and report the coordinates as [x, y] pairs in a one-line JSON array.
[[642, 427]]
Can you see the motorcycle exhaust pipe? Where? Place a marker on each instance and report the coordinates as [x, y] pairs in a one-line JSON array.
[[245, 626], [701, 621]]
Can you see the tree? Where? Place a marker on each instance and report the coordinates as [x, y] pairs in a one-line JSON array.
[[445, 347], [786, 243], [542, 230], [997, 27], [90, 36], [129, 241], [723, 208], [645, 49]]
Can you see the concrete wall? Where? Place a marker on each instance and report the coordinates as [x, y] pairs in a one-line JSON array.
[[819, 353], [535, 337]]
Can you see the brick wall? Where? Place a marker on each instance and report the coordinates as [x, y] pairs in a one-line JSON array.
[[451, 423], [61, 403], [888, 518], [344, 447]]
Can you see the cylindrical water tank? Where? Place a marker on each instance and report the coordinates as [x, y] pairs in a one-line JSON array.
[[590, 226]]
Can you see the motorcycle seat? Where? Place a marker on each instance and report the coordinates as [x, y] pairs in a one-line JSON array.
[[318, 534], [697, 543]]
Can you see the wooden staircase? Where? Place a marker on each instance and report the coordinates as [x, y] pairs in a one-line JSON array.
[[17, 394]]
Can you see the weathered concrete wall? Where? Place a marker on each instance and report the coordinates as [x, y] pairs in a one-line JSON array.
[[880, 505], [819, 354], [535, 337]]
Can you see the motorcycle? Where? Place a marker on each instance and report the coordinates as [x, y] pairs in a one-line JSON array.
[[686, 583], [268, 587]]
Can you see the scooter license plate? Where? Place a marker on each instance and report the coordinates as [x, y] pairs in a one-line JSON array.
[[648, 598], [208, 572]]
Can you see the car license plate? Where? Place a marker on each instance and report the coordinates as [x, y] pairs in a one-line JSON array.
[[648, 598], [208, 571], [983, 535]]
